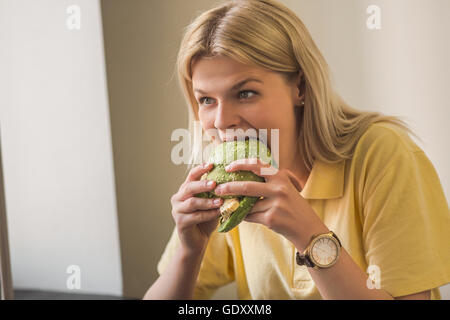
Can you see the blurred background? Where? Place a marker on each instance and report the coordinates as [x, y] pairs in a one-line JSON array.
[[89, 99]]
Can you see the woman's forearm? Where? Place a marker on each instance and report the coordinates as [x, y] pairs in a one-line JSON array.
[[177, 282], [345, 279]]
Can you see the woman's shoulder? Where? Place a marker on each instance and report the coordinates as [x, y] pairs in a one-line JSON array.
[[385, 140], [387, 136], [384, 145]]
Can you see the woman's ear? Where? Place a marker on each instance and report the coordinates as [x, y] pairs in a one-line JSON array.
[[299, 90]]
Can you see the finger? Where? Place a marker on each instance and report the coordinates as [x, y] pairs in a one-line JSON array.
[[261, 205], [199, 217], [246, 188], [256, 217], [198, 171], [193, 204], [193, 187], [254, 165]]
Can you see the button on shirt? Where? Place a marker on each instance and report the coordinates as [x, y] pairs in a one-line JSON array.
[[387, 206]]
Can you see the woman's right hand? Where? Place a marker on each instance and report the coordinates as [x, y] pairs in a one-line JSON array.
[[195, 218]]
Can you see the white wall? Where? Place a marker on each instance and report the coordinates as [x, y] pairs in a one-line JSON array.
[[57, 152]]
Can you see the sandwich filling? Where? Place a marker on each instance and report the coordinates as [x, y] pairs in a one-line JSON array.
[[228, 207]]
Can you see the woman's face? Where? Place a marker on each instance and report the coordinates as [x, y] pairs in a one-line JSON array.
[[231, 96]]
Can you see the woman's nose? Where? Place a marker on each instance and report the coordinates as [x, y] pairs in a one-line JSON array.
[[226, 117]]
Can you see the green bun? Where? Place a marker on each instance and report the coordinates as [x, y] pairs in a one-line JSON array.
[[223, 155]]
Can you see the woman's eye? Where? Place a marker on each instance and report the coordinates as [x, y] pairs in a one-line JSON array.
[[244, 94], [202, 100]]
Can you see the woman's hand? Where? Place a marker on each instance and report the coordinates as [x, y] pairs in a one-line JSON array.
[[282, 209], [195, 218]]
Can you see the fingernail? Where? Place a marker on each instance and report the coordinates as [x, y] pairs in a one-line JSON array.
[[210, 183], [217, 201], [218, 189]]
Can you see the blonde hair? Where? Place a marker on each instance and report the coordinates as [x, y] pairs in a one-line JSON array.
[[267, 34]]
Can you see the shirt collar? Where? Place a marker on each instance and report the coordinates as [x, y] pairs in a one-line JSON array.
[[325, 181]]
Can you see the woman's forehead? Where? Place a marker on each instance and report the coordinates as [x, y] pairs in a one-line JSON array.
[[222, 65]]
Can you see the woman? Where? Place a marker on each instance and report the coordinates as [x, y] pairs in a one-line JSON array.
[[253, 65]]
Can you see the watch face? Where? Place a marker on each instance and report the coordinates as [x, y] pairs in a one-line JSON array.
[[324, 251]]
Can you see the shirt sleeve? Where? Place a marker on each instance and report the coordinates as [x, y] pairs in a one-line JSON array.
[[406, 218], [216, 269]]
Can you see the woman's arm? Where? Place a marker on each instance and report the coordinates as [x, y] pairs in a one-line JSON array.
[[195, 219], [286, 212], [346, 280], [177, 282]]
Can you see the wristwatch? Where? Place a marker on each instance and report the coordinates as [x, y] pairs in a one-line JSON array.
[[322, 251]]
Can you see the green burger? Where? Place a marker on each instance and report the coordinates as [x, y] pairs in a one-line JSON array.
[[234, 208]]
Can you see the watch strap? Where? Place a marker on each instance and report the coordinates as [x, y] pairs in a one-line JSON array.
[[304, 260]]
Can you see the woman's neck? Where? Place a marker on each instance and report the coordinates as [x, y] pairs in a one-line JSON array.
[[298, 168]]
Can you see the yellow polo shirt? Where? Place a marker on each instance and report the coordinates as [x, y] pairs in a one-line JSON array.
[[387, 207]]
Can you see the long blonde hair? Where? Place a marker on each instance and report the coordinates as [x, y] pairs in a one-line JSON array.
[[267, 34]]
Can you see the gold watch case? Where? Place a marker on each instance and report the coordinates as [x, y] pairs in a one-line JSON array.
[[321, 240]]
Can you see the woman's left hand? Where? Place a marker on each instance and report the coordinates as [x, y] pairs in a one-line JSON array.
[[282, 209]]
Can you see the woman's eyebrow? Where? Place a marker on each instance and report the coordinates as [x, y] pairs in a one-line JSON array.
[[236, 86]]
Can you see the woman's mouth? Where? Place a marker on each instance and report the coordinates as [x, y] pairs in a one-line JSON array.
[[236, 138]]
